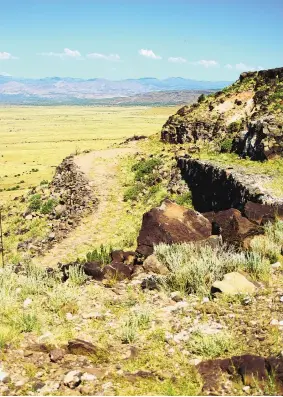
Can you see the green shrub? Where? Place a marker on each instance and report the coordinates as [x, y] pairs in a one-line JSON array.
[[102, 255], [184, 199], [211, 346], [201, 98], [27, 322], [226, 145], [35, 202], [48, 206], [145, 167], [7, 335], [193, 269], [77, 275], [44, 182], [132, 192], [235, 126], [257, 265]]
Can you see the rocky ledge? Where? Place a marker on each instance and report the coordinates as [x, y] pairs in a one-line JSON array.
[[215, 188]]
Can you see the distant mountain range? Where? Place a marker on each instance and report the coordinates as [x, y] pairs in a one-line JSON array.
[[57, 90]]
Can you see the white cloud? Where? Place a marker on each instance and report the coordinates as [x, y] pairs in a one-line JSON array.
[[207, 63], [67, 53], [149, 54], [110, 57], [177, 60], [71, 53], [4, 74], [243, 67], [4, 56]]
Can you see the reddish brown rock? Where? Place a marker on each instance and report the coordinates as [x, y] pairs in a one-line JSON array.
[[118, 271], [83, 348], [171, 223], [57, 355], [254, 370], [127, 257], [94, 270], [233, 227], [262, 213]]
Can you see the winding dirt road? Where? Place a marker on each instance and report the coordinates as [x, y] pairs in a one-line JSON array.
[[101, 168]]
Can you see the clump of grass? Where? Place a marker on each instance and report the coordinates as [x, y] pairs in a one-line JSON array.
[[7, 335], [136, 321], [226, 145], [48, 206], [44, 182], [35, 202], [133, 192], [184, 199], [193, 269], [257, 266], [27, 322], [211, 346], [270, 244], [101, 254], [77, 275], [144, 168]]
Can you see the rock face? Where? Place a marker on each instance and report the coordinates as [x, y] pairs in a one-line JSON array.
[[175, 132], [232, 284], [215, 188], [261, 141], [171, 223], [262, 213], [233, 227], [250, 110], [253, 370]]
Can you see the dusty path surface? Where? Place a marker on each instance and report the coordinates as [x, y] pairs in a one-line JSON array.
[[101, 169]]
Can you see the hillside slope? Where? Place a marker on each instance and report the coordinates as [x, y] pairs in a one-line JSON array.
[[249, 112]]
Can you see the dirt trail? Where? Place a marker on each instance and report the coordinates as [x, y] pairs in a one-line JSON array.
[[101, 169]]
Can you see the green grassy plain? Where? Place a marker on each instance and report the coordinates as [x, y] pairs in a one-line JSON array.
[[34, 140]]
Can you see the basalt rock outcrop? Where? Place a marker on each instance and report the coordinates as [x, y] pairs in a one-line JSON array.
[[252, 370], [215, 188], [250, 111], [171, 223], [234, 228], [261, 141]]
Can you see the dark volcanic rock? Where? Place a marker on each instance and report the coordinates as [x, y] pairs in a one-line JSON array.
[[83, 348], [262, 213], [215, 188], [171, 223], [94, 270], [262, 140], [126, 257], [186, 131], [234, 228], [254, 371], [118, 271]]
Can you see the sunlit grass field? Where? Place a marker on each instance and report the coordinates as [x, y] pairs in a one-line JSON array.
[[34, 140]]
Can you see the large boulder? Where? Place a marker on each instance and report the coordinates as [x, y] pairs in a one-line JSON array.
[[233, 227], [262, 213], [232, 284], [171, 223], [118, 271]]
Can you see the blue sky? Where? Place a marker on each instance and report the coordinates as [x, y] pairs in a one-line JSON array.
[[198, 39]]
